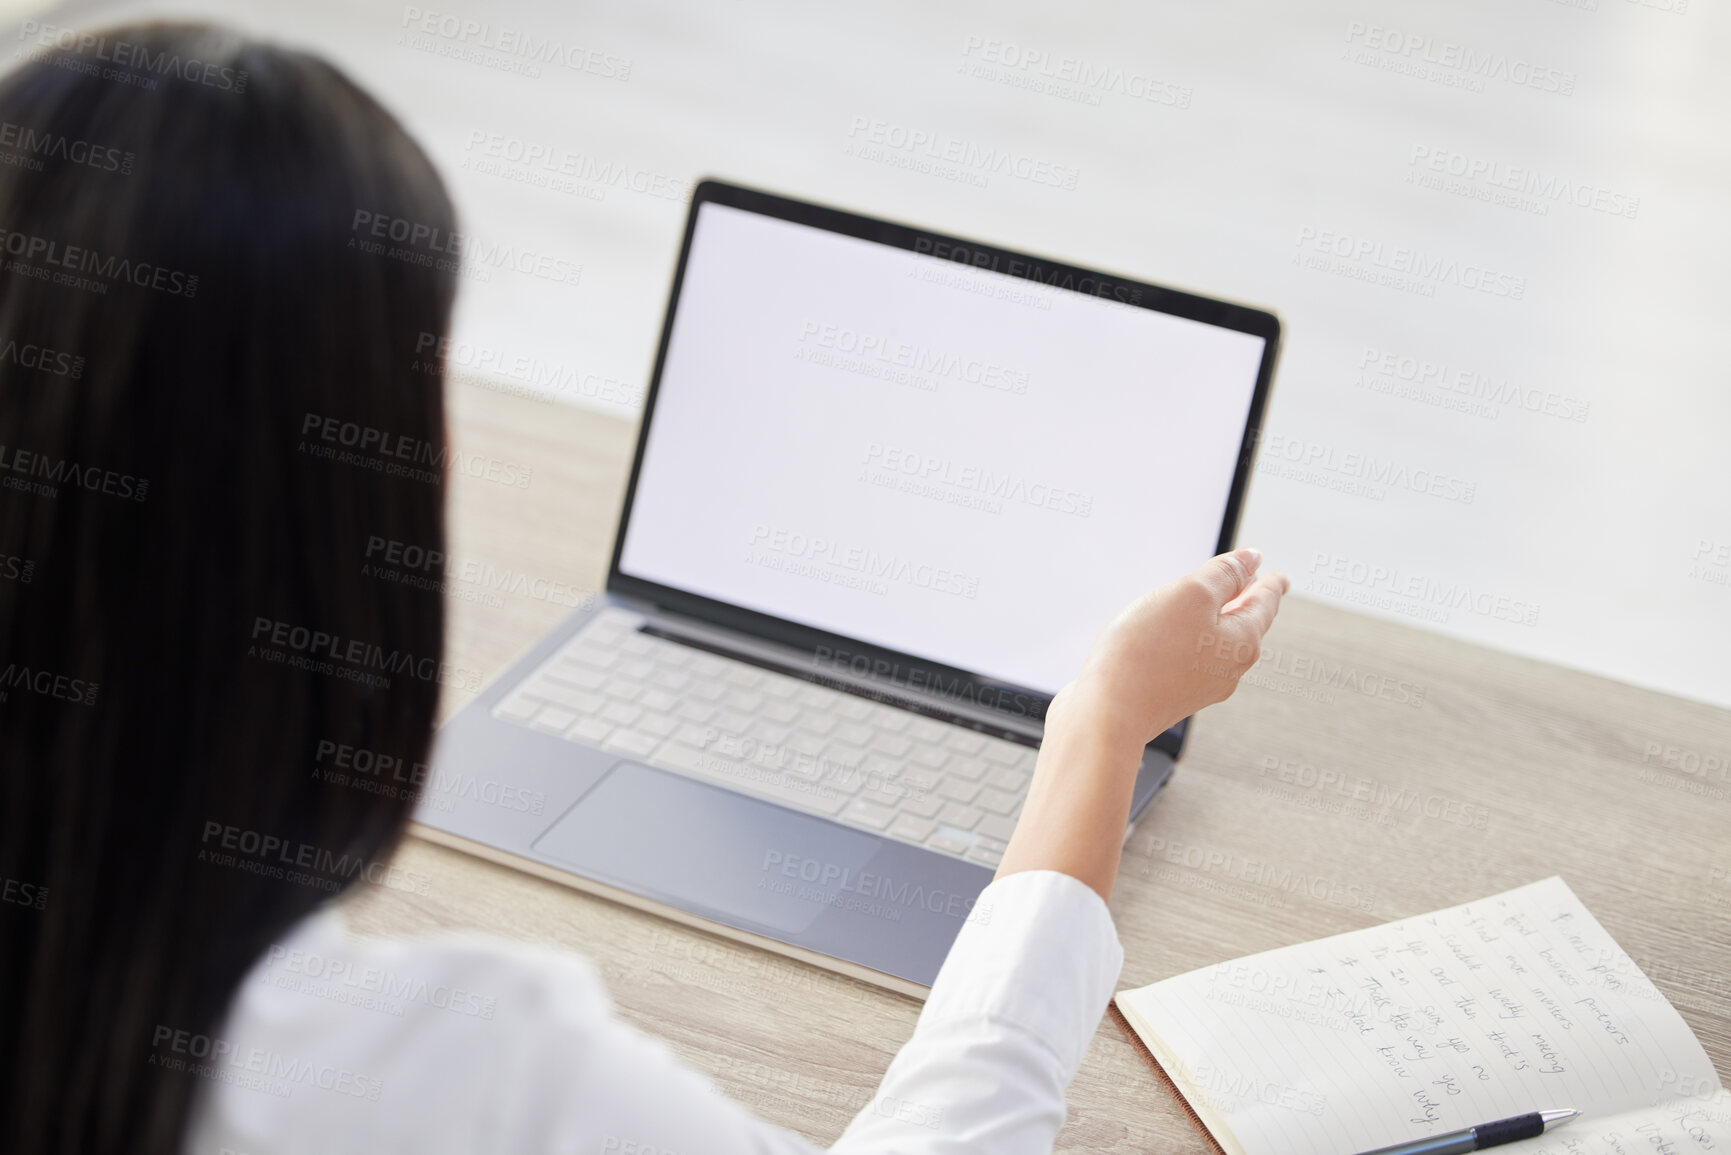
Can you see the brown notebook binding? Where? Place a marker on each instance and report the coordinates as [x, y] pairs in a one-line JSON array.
[[1141, 1048]]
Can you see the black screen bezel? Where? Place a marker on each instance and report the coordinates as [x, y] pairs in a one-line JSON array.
[[1015, 701]]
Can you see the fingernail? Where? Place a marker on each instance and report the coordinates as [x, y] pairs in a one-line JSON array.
[[1255, 556]]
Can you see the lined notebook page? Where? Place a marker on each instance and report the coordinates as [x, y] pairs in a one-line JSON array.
[[1691, 1126], [1516, 1003]]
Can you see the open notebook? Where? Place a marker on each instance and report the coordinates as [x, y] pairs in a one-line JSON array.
[[1517, 1003]]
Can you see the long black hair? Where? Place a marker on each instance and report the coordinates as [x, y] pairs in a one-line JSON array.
[[216, 297]]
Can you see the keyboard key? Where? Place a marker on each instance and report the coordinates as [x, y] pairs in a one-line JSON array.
[[768, 733], [921, 805], [889, 798], [671, 679], [637, 668], [673, 654], [744, 676], [926, 730], [855, 709], [868, 814], [659, 700], [883, 769], [708, 665], [516, 708], [970, 768], [841, 754], [621, 713], [731, 745], [695, 711], [962, 817], [985, 857], [745, 700], [989, 843], [1001, 752], [583, 677], [811, 745], [553, 719], [841, 779], [947, 844], [591, 656], [747, 753], [1007, 779], [660, 725], [996, 801], [887, 718], [997, 827], [854, 734], [708, 691], [590, 730], [958, 789], [783, 712], [931, 756], [560, 694], [730, 722], [699, 736], [778, 687], [964, 741], [920, 780], [549, 688], [632, 742], [635, 643], [892, 744], [816, 721], [625, 689], [911, 828], [810, 695]]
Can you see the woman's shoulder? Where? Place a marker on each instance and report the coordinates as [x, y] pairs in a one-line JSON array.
[[463, 973], [333, 1035]]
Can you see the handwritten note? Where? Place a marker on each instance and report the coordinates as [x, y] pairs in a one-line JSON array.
[[1679, 1127], [1517, 1003]]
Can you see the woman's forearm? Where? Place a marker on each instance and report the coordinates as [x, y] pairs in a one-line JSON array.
[[1141, 676], [1079, 796]]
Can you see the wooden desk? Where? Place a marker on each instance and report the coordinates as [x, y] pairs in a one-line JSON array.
[[1364, 771]]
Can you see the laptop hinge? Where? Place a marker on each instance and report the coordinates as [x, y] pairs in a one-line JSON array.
[[787, 660]]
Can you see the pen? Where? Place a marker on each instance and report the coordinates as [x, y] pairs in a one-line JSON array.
[[1482, 1136]]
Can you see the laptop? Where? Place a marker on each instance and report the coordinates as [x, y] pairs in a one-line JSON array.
[[888, 486]]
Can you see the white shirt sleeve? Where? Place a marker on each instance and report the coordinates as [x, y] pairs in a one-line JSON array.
[[463, 1043]]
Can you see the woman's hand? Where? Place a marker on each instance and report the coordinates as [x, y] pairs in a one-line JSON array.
[[1173, 651], [1180, 647]]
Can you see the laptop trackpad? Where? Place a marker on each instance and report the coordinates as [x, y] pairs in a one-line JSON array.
[[761, 868]]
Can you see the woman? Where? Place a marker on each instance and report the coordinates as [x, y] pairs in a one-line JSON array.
[[184, 295]]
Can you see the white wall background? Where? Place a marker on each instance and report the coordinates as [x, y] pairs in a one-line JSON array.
[[1281, 160]]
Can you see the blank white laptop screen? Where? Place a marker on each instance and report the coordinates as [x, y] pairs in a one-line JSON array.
[[957, 464]]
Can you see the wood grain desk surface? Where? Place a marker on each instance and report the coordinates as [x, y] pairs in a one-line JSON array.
[[1364, 771]]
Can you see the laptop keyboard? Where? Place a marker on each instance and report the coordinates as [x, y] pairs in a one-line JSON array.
[[893, 772]]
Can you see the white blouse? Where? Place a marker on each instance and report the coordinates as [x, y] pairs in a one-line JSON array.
[[469, 1044]]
